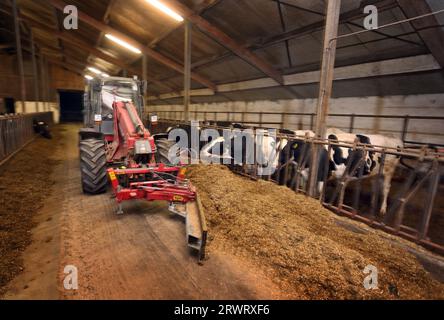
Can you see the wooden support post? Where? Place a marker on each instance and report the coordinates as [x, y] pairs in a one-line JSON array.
[[145, 85], [187, 71], [48, 85], [326, 84], [352, 123], [42, 82], [18, 43], [405, 128], [45, 84], [35, 72]]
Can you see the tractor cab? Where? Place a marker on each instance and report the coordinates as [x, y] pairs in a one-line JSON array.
[[100, 95]]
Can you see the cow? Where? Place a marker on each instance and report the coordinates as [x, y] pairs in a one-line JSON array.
[[299, 152], [270, 154], [341, 156], [236, 150], [211, 149], [341, 160], [344, 158]]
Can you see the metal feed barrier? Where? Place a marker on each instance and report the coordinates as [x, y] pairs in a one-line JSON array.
[[415, 211], [16, 130], [344, 195]]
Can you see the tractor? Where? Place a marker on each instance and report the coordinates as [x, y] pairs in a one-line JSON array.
[[116, 149]]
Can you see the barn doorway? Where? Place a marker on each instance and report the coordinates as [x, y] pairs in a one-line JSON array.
[[71, 106], [9, 105]]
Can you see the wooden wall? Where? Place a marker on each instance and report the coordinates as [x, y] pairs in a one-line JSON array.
[[60, 79]]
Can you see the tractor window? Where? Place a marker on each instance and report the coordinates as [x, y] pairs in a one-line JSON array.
[[118, 91]]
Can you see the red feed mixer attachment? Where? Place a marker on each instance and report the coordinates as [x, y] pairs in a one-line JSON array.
[[153, 182]]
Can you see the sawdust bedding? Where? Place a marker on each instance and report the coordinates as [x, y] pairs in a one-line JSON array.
[[303, 246]]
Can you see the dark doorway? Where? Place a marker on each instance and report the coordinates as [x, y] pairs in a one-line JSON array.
[[9, 105], [71, 106]]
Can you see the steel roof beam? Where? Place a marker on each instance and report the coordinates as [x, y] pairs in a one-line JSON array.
[[99, 25], [225, 40], [299, 32], [88, 48], [432, 37]]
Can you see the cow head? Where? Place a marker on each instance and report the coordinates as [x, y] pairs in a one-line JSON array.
[[337, 158], [344, 160], [370, 162]]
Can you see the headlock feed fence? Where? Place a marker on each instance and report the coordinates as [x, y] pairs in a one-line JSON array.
[[409, 179]]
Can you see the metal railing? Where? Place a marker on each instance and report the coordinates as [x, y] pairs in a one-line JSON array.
[[16, 130], [241, 117], [414, 202]]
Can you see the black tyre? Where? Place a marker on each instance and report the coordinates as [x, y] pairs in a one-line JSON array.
[[93, 166], [163, 147]]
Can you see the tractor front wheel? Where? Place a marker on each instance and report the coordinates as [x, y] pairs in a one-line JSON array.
[[93, 166], [163, 148]]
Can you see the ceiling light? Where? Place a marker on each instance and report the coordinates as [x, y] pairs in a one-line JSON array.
[[159, 5], [88, 77], [105, 75], [96, 71], [123, 43]]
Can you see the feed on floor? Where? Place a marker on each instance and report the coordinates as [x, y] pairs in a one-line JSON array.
[[308, 250]]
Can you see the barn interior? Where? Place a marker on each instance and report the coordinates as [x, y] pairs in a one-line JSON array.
[[363, 68]]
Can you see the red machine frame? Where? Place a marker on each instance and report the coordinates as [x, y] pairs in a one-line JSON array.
[[178, 192], [127, 130]]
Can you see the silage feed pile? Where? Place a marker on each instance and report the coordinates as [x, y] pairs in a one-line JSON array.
[[304, 247]]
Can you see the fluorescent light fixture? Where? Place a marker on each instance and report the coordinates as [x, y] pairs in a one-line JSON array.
[[162, 7], [123, 43], [96, 71], [88, 77]]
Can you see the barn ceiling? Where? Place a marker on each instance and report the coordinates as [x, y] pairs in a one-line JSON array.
[[284, 36]]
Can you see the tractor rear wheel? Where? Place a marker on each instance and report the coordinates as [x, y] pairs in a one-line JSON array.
[[93, 166]]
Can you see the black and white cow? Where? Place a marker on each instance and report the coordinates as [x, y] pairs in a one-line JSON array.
[[219, 148], [345, 159], [341, 160], [296, 153], [273, 151], [342, 155], [236, 149]]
